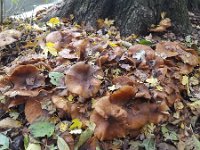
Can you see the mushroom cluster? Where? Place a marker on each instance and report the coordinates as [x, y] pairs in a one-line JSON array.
[[119, 114], [98, 79]]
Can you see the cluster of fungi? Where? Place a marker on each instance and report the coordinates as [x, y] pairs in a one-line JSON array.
[[147, 84]]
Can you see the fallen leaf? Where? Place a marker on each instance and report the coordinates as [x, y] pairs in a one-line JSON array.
[[185, 80], [33, 146], [42, 129], [62, 145], [145, 42], [85, 135], [55, 77], [111, 44], [149, 144], [4, 142], [76, 124], [63, 126], [195, 107], [33, 110], [8, 123], [54, 22], [152, 81]]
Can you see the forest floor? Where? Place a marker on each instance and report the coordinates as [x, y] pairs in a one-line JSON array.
[[65, 86]]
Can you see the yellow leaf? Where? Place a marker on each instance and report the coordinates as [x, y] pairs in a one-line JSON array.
[[185, 80], [108, 22], [53, 22], [159, 88], [50, 47], [63, 126], [111, 44], [70, 98], [76, 124], [152, 81]]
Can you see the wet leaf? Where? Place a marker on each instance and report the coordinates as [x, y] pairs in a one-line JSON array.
[[62, 145], [55, 77], [85, 135], [42, 129], [4, 142], [76, 124]]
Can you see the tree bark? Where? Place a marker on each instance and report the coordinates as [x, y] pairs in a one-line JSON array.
[[193, 5], [131, 16]]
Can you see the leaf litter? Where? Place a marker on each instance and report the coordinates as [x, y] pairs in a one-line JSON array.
[[73, 89]]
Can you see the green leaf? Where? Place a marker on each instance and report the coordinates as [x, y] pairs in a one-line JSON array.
[[55, 77], [26, 141], [41, 129], [62, 145], [145, 42], [4, 142], [85, 135], [76, 124], [149, 144], [169, 135], [33, 146]]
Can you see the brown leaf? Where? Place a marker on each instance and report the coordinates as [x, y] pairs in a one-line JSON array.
[[33, 110]]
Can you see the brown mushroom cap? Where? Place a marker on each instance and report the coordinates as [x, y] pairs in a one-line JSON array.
[[172, 49], [54, 37], [109, 118], [81, 79], [141, 114], [123, 95], [26, 77]]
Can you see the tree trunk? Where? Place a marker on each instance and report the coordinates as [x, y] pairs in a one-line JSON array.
[[193, 5], [131, 16]]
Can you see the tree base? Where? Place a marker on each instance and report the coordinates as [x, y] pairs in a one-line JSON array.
[[135, 16]]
